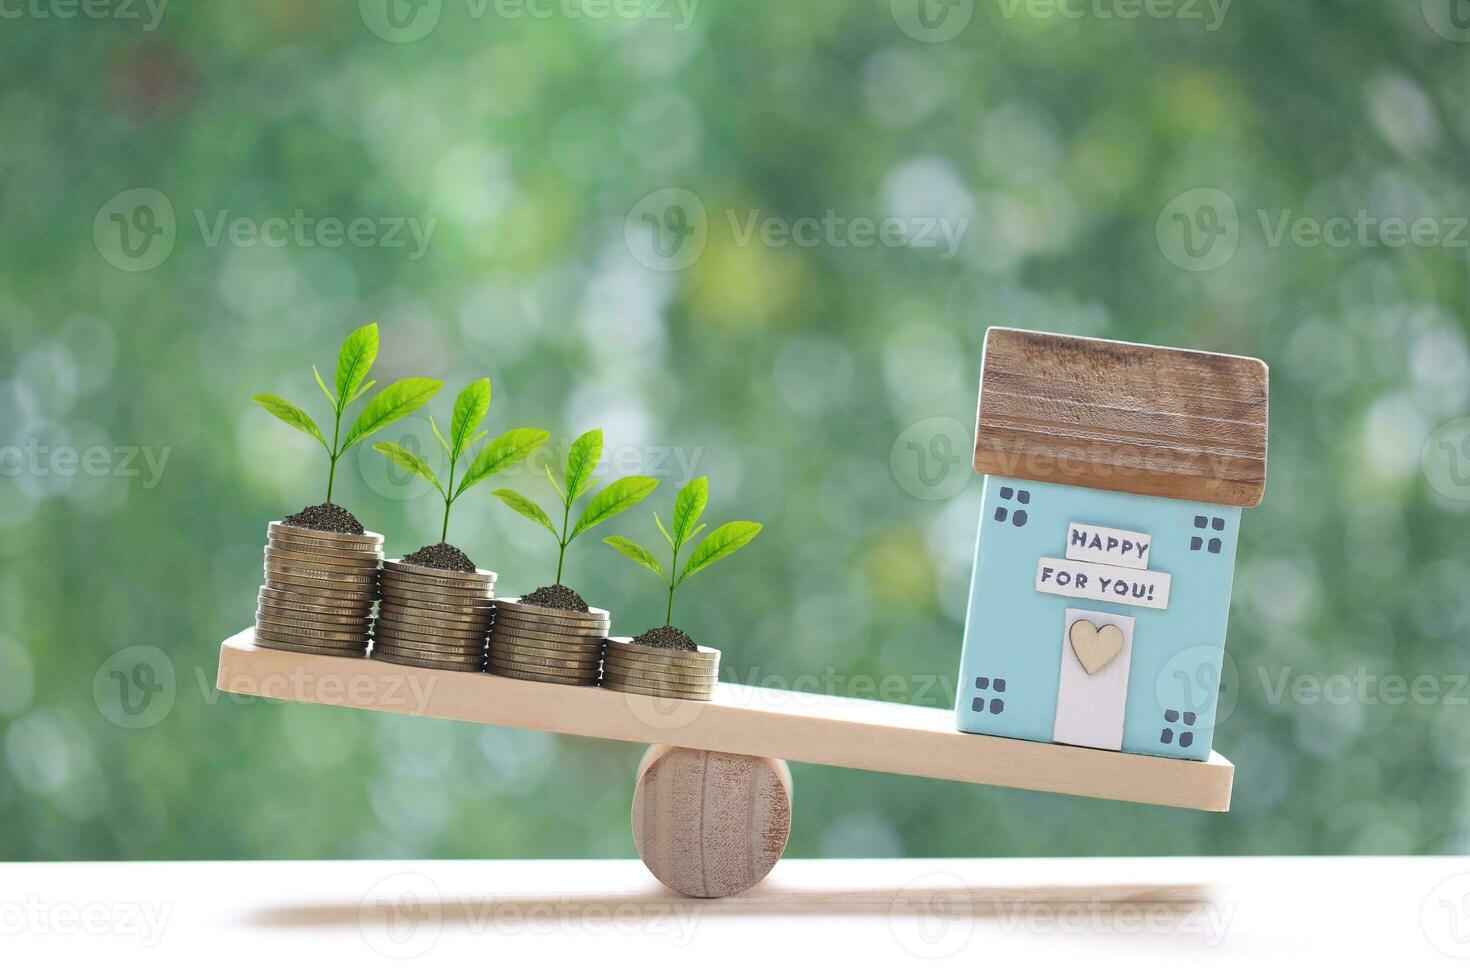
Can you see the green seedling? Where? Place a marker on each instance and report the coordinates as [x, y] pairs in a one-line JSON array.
[[469, 411], [720, 543], [397, 401], [612, 500]]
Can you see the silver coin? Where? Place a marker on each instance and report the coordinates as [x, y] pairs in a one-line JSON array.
[[669, 670], [432, 627], [298, 617], [521, 675], [500, 648], [702, 655], [423, 614], [292, 646], [370, 539], [593, 615], [673, 659], [623, 687], [290, 641], [315, 604], [312, 559], [462, 668]]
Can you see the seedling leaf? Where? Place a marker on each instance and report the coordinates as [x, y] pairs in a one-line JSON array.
[[554, 485], [527, 508], [355, 360], [469, 411], [320, 383], [360, 392], [687, 508], [615, 498], [582, 459], [291, 415], [397, 401], [503, 451], [409, 461], [722, 542], [663, 530], [634, 551], [440, 436]]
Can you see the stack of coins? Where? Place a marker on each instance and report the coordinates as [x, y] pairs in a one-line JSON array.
[[431, 617], [319, 591], [558, 646], [660, 672]]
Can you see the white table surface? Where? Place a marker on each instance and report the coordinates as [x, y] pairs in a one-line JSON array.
[[971, 918]]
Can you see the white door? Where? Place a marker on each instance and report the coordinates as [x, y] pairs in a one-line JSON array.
[[1093, 690]]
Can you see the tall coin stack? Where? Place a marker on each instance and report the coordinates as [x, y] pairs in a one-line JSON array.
[[432, 617], [556, 646], [319, 591], [660, 672]]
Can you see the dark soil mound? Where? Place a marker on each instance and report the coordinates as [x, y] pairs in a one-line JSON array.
[[667, 637], [555, 597], [325, 517], [442, 556]]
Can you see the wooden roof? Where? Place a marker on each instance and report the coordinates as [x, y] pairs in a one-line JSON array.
[[1118, 416]]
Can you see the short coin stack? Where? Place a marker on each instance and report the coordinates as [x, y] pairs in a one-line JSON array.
[[319, 591], [660, 672], [432, 617], [557, 646]]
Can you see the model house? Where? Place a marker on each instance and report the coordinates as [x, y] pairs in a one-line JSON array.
[[1115, 477]]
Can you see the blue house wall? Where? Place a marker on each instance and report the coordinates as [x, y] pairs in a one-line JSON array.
[[1014, 635]]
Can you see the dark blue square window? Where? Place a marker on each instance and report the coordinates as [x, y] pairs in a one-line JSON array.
[[1200, 520]]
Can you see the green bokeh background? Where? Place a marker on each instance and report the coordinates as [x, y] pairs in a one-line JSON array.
[[789, 374]]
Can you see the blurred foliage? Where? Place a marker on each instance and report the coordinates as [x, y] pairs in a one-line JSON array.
[[786, 373]]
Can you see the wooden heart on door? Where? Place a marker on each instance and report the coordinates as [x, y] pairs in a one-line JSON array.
[[1095, 648]]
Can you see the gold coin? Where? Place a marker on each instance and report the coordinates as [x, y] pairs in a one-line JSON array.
[[527, 668], [410, 594], [320, 587], [292, 646], [408, 650], [623, 687], [668, 670], [704, 655], [369, 539], [427, 644], [287, 624], [540, 626], [313, 559], [462, 668], [545, 658], [368, 577], [314, 604], [447, 630], [470, 580], [521, 675], [555, 640], [437, 613], [274, 638], [592, 616]]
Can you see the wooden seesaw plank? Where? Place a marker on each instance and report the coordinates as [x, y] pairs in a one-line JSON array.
[[815, 728]]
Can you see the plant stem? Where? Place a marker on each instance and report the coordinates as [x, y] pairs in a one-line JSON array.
[[448, 500], [566, 516], [332, 469], [673, 584]]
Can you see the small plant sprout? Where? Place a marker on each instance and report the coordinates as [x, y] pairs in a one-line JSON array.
[[720, 543], [612, 500], [469, 411], [397, 401]]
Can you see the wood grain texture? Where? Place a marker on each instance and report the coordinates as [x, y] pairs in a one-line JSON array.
[[796, 726], [710, 824], [1117, 416]]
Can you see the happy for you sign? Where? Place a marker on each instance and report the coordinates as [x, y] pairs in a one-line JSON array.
[[1103, 583]]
